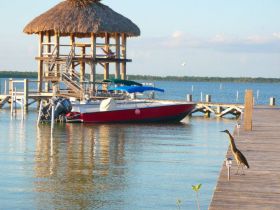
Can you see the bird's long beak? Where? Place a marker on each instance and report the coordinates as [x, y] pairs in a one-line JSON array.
[[223, 131]]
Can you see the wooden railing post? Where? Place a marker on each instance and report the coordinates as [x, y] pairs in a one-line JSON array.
[[25, 97], [248, 111], [106, 65], [11, 87], [40, 62], [117, 71], [93, 63], [123, 55]]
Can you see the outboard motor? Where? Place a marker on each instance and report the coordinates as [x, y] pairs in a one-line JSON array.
[[62, 106]]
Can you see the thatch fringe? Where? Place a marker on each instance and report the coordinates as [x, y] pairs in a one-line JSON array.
[[82, 17], [82, 2]]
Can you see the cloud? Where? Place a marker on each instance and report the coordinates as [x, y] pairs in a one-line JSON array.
[[231, 43], [177, 35], [222, 42], [276, 35], [221, 38], [257, 39]]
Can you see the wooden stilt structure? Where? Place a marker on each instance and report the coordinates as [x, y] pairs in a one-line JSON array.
[[68, 63]]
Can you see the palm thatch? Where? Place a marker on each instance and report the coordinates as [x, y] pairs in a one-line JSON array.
[[82, 17]]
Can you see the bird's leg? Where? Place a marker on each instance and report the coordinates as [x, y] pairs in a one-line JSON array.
[[237, 170], [242, 170]]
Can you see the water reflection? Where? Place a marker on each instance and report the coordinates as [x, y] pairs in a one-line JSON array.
[[108, 166], [73, 166]]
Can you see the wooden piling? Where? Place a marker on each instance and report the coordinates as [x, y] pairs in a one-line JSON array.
[[272, 101], [5, 88], [208, 98], [107, 48], [40, 62], [25, 96], [11, 87], [123, 52], [117, 71], [248, 110], [93, 64], [189, 97]]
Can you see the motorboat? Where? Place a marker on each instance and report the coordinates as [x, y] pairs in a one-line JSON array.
[[130, 110]]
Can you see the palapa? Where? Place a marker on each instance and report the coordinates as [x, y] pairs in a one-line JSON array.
[[82, 18]]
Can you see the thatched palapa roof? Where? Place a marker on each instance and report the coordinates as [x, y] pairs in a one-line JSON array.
[[82, 17]]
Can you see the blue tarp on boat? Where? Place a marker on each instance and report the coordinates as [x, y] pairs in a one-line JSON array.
[[136, 89]]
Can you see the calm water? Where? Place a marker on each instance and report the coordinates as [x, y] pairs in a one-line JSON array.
[[115, 166]]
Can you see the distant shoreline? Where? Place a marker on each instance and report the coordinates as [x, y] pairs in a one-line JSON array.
[[18, 74]]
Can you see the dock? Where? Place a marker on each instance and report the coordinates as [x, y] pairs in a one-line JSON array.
[[219, 109], [260, 187]]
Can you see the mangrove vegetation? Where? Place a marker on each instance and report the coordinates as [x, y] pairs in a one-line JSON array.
[[20, 74]]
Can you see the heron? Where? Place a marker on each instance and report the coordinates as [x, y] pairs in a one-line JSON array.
[[239, 157]]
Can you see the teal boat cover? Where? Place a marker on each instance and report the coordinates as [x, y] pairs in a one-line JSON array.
[[136, 89], [122, 82]]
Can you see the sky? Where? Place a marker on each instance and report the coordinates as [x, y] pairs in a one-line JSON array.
[[225, 38]]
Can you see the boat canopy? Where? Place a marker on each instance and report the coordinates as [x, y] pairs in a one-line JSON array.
[[136, 89], [123, 82]]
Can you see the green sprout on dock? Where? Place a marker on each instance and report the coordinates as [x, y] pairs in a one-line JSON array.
[[196, 188]]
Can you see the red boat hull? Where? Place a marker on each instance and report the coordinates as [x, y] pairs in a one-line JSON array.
[[168, 113]]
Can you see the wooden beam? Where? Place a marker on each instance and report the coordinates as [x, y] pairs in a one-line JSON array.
[[93, 45], [123, 52], [57, 44], [118, 53], [72, 45], [40, 63], [93, 64], [83, 65], [26, 91], [49, 51], [106, 65], [49, 45], [57, 72], [248, 110], [11, 86]]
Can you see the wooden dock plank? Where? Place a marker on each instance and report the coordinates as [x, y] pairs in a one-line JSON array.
[[260, 187]]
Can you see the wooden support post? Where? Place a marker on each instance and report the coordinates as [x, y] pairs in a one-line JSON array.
[[55, 88], [189, 97], [272, 101], [49, 51], [117, 71], [40, 62], [5, 88], [207, 114], [57, 44], [208, 98], [57, 69], [12, 102], [11, 86], [25, 96], [93, 63], [219, 109], [123, 51], [83, 66], [106, 65], [92, 78], [72, 43], [248, 110]]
